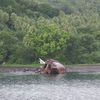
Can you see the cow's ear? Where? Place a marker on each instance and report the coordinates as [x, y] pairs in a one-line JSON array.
[[45, 65]]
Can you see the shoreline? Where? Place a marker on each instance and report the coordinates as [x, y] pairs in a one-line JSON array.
[[93, 68], [69, 68]]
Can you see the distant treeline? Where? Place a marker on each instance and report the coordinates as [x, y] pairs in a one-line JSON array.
[[65, 30]]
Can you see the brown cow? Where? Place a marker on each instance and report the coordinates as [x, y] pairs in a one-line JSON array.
[[53, 67]]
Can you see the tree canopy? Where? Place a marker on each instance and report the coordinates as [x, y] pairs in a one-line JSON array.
[[66, 30]]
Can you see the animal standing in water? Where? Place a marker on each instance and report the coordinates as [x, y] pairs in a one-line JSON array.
[[52, 67]]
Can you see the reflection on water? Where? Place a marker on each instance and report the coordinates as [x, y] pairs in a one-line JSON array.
[[70, 86]]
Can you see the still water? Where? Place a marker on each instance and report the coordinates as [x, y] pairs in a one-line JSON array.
[[71, 86]]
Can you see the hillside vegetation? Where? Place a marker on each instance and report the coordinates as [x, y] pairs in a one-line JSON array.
[[66, 30]]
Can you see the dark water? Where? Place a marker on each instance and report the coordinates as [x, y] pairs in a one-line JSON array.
[[70, 86]]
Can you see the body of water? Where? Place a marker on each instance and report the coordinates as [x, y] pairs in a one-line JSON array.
[[70, 86]]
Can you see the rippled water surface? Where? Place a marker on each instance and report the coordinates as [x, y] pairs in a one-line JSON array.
[[71, 86]]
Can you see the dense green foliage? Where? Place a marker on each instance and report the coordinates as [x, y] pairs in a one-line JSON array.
[[66, 30]]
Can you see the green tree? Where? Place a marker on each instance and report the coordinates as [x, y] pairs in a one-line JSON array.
[[8, 41], [48, 40]]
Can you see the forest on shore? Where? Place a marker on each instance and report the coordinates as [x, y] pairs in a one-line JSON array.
[[65, 30]]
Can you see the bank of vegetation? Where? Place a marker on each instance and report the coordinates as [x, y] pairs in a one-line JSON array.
[[66, 30]]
